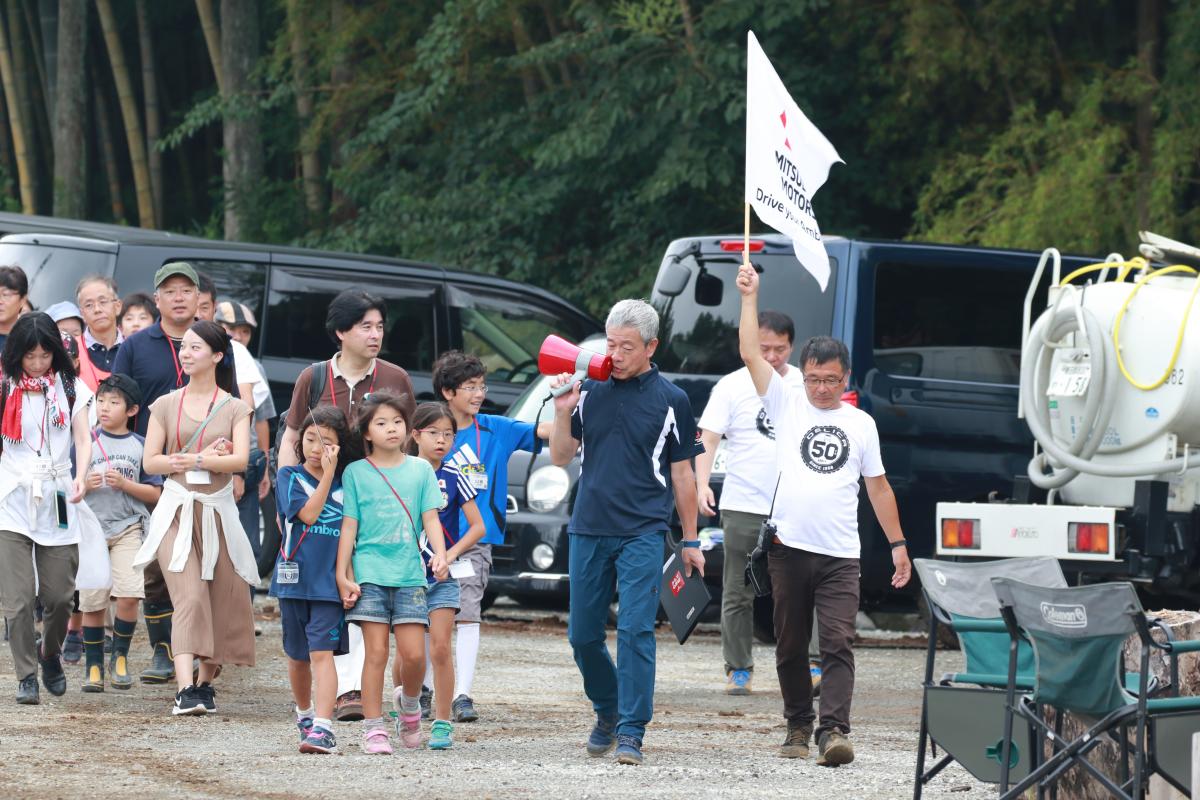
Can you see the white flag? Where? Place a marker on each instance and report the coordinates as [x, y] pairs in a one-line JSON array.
[[787, 160]]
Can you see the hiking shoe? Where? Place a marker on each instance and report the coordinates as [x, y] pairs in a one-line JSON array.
[[162, 668], [426, 702], [814, 670], [72, 648], [305, 724], [629, 750], [834, 749], [439, 735], [27, 691], [348, 707], [739, 682], [408, 730], [463, 709], [118, 672], [53, 677], [318, 740], [208, 696], [796, 743], [603, 737], [377, 742], [93, 683], [188, 703]]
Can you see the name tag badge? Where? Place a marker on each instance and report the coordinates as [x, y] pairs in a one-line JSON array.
[[479, 480], [198, 477], [287, 572], [461, 569]]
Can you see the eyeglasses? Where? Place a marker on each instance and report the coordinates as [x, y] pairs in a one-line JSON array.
[[481, 389], [436, 435], [9, 294], [828, 383], [93, 305]]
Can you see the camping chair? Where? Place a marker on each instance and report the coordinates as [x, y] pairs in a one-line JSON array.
[[964, 713], [1078, 635]]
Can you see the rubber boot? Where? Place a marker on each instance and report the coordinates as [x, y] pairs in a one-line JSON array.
[[158, 625]]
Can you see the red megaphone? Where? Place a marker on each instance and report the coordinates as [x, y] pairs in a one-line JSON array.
[[558, 355]]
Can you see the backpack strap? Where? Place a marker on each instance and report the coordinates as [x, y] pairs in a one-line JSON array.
[[316, 385]]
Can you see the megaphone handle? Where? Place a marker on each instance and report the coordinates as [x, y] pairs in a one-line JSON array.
[[566, 387]]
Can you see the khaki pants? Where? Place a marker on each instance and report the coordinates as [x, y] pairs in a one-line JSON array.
[[126, 581], [28, 573]]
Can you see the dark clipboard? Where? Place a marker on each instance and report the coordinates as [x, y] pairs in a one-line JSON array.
[[683, 598]]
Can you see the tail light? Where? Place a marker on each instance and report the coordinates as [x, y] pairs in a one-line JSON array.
[[960, 534], [850, 398], [1087, 537], [737, 245]]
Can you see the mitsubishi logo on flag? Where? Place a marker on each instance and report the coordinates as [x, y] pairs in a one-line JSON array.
[[787, 161]]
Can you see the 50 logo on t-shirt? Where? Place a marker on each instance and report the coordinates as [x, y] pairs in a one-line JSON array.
[[825, 449]]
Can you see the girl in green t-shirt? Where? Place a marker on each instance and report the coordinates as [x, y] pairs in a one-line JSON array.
[[389, 499]]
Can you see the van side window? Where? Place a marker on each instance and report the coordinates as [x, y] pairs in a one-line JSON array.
[[959, 323], [245, 282], [299, 299], [506, 330]]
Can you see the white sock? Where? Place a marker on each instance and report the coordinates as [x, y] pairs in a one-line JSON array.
[[466, 650], [428, 665], [397, 702], [410, 705], [304, 713], [322, 723]]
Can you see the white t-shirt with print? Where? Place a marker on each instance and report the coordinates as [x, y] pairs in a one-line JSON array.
[[821, 455], [246, 371], [736, 411]]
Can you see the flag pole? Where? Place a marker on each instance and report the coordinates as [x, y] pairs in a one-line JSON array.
[[746, 240]]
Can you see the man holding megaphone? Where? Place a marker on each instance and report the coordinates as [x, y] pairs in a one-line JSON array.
[[638, 436]]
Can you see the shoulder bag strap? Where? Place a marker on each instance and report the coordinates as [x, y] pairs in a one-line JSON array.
[[200, 428]]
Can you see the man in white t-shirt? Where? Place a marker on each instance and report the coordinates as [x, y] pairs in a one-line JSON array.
[[735, 412], [823, 447]]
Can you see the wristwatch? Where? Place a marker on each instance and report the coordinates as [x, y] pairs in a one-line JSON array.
[[690, 542]]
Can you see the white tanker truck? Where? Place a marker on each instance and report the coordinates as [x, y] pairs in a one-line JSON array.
[[1110, 389]]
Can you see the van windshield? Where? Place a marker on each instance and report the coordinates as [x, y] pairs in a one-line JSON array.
[[699, 326], [53, 272]]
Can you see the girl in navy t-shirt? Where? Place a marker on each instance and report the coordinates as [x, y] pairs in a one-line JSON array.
[[432, 437], [309, 500]]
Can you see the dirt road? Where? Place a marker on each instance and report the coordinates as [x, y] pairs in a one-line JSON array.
[[529, 742]]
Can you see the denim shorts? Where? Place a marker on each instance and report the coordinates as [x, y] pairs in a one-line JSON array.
[[443, 594], [390, 605]]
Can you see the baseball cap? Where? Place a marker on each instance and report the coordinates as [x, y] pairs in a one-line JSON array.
[[64, 310], [175, 268], [232, 313], [123, 384]]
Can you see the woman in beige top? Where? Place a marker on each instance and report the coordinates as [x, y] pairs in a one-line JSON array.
[[198, 436]]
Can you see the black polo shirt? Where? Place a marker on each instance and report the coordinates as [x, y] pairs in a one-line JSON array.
[[631, 432]]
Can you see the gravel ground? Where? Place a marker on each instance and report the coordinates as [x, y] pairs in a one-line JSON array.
[[529, 742]]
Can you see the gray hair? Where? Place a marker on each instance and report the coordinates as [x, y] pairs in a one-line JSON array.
[[637, 314]]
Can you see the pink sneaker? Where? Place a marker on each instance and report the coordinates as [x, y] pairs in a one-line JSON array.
[[377, 742], [408, 728]]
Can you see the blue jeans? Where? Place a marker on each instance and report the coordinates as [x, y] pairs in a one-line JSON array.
[[632, 566]]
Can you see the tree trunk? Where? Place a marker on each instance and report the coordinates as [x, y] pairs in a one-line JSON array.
[[48, 19], [242, 169], [6, 147], [1149, 26], [129, 113], [39, 52], [310, 159], [340, 75], [25, 85], [524, 42], [70, 111], [19, 130], [108, 154], [153, 117], [212, 39]]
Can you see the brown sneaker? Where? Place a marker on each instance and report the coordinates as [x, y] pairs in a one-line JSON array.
[[739, 682], [796, 743], [834, 750]]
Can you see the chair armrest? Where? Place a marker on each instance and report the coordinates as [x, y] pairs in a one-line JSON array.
[[980, 626], [1185, 646]]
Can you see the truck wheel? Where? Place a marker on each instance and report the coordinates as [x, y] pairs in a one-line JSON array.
[[487, 600], [764, 619]]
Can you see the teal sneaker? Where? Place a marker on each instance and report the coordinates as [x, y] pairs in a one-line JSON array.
[[439, 735]]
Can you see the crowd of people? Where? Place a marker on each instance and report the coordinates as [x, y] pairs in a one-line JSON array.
[[135, 452]]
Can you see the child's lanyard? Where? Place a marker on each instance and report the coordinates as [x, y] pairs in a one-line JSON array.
[[107, 463], [349, 388], [394, 492], [44, 424], [283, 545]]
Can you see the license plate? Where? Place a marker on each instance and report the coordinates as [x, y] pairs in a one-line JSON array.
[[1069, 380]]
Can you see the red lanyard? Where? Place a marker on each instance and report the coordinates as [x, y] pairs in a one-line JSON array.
[[179, 420], [295, 549], [175, 359], [107, 463], [350, 390], [398, 497]]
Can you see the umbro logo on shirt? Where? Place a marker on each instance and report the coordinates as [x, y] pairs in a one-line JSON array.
[[825, 449]]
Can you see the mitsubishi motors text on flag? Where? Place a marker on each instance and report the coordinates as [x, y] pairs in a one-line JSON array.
[[787, 160]]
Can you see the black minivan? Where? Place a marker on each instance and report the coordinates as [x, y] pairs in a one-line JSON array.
[[934, 333]]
